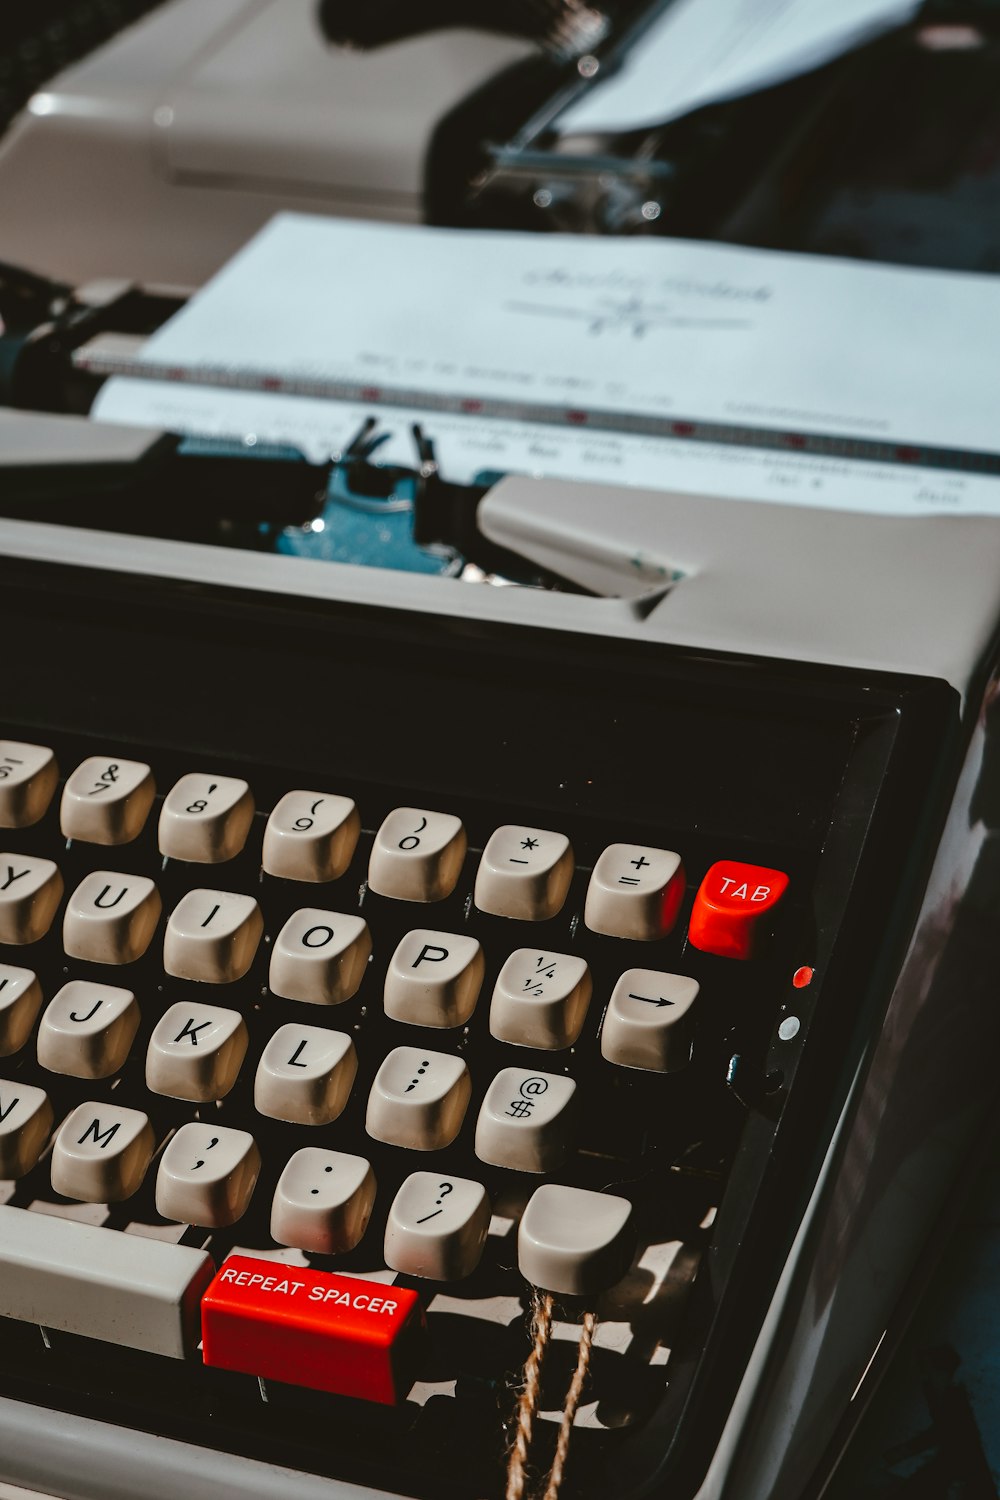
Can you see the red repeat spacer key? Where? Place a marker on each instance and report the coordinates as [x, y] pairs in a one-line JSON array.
[[313, 1328], [732, 906]]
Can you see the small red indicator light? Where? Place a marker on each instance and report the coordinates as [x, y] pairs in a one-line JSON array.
[[802, 977]]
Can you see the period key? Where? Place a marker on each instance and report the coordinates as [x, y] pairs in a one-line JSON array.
[[313, 1328]]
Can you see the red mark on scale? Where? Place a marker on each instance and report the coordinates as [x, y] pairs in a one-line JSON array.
[[802, 977]]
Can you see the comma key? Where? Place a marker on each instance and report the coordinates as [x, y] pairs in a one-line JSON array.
[[207, 1175]]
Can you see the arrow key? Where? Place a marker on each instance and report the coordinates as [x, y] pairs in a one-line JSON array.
[[648, 1022]]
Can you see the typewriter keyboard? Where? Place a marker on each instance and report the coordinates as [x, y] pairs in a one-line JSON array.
[[332, 1036]]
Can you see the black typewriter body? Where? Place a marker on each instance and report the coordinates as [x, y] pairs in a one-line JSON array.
[[842, 779]]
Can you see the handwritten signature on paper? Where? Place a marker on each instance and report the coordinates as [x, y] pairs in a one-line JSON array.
[[631, 315]]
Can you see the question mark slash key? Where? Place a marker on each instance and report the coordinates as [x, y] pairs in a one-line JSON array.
[[207, 1175], [437, 1226]]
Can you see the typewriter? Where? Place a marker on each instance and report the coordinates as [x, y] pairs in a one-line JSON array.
[[442, 1021]]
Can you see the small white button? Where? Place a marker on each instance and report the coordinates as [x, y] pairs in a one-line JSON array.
[[87, 1029], [434, 979], [524, 873], [205, 819], [526, 1121], [311, 836], [111, 918], [28, 777], [418, 1099], [417, 855], [437, 1226], [323, 1201], [196, 1051], [319, 957], [635, 892], [20, 1002], [540, 999], [574, 1242], [648, 1022], [30, 892], [101, 1153], [212, 936], [107, 801], [207, 1175], [305, 1075], [25, 1123]]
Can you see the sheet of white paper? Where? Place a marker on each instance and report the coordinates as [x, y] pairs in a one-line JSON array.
[[705, 51], [569, 326], [467, 446]]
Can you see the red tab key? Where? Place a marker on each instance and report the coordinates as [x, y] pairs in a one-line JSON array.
[[313, 1328], [734, 904]]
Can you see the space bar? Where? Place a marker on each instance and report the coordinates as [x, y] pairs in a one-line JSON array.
[[122, 1288]]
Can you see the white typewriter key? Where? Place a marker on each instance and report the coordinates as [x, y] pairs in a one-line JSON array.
[[28, 777], [25, 1123], [319, 957], [20, 1002], [527, 1120], [417, 855], [110, 919], [434, 979], [573, 1241], [323, 1201], [30, 892], [212, 936], [205, 819], [524, 873], [635, 892], [418, 1099], [305, 1075], [107, 801], [648, 1022], [196, 1052], [207, 1175], [87, 1029], [310, 836], [540, 999], [437, 1227], [101, 1153]]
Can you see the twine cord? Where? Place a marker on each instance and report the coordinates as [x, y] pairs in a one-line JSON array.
[[527, 1404], [530, 1395]]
